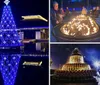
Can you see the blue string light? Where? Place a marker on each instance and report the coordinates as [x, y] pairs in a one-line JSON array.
[[9, 36], [9, 66]]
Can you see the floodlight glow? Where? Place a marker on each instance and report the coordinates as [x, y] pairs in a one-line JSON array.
[[97, 64]]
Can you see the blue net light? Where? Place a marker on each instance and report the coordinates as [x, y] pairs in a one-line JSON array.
[[9, 37], [9, 66], [8, 31]]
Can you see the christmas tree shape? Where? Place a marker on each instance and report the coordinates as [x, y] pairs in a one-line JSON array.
[[9, 66], [8, 31], [9, 38]]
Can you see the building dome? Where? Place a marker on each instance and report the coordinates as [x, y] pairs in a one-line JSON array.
[[76, 57], [80, 26], [75, 62], [74, 71]]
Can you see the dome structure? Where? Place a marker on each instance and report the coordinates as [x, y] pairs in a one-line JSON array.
[[75, 62], [75, 70]]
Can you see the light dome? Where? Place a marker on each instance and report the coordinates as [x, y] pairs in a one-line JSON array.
[[75, 62]]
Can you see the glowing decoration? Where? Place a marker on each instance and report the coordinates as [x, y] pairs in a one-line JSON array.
[[33, 63], [8, 62], [6, 2], [8, 28], [9, 66], [31, 17], [76, 62], [32, 28], [29, 40], [78, 72], [81, 25]]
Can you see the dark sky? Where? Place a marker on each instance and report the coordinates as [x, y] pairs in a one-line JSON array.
[[60, 53], [28, 7], [76, 3]]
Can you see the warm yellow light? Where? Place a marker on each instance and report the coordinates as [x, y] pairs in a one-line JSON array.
[[32, 17], [80, 25], [33, 63]]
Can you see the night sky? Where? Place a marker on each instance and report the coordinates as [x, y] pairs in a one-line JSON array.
[[75, 3], [60, 53], [28, 7]]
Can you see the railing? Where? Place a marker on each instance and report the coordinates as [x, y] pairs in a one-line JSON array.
[[35, 40], [37, 28]]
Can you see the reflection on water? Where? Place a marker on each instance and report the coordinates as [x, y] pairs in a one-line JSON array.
[[9, 66], [10, 59]]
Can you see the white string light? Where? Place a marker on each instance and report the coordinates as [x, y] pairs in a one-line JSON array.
[[6, 2]]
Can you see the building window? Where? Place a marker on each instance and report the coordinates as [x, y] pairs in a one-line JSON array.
[[38, 35]]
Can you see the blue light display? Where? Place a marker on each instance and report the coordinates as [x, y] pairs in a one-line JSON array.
[[9, 66], [8, 34], [76, 0], [9, 37]]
